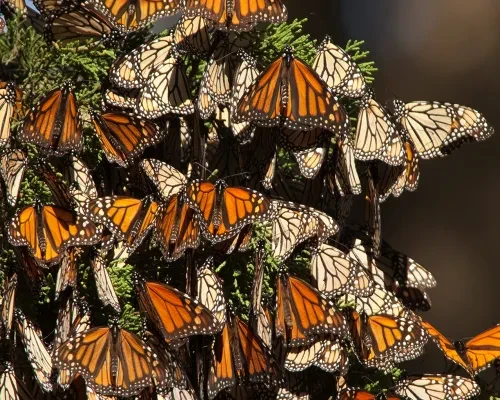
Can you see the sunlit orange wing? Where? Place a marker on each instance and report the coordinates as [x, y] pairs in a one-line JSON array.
[[175, 314], [310, 99], [303, 313], [48, 237], [483, 349], [62, 228], [54, 124], [23, 231], [263, 99], [258, 361], [124, 136], [221, 374], [445, 345]]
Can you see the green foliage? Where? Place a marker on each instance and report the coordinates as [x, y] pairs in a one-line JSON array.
[[269, 43], [354, 49]]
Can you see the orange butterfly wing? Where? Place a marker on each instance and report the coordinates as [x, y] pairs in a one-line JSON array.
[[310, 102], [221, 374], [177, 229], [123, 136], [54, 124], [303, 313], [484, 348], [201, 195], [62, 229], [175, 314], [23, 231], [263, 99], [247, 13], [445, 345], [259, 363], [241, 206]]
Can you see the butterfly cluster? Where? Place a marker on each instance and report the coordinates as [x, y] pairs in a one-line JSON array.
[[248, 159]]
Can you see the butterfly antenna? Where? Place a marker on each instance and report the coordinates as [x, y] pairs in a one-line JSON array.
[[226, 55], [211, 173], [246, 174]]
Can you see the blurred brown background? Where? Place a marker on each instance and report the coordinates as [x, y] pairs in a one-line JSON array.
[[444, 50]]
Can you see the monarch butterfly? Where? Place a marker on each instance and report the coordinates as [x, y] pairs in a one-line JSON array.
[[295, 224], [435, 387], [168, 180], [105, 288], [238, 15], [336, 273], [210, 292], [376, 134], [54, 123], [169, 371], [382, 340], [223, 210], [436, 129], [112, 360], [67, 272], [132, 70], [128, 218], [259, 319], [49, 230], [7, 107], [73, 21], [339, 71], [123, 136], [135, 14], [395, 179], [396, 272], [73, 318], [217, 82], [474, 355], [176, 228], [303, 313], [11, 387], [166, 91], [81, 184], [12, 166], [373, 216], [113, 100], [7, 306], [36, 351], [174, 313], [244, 76], [343, 175], [324, 353], [289, 93], [239, 355], [335, 358], [310, 161], [192, 34]]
